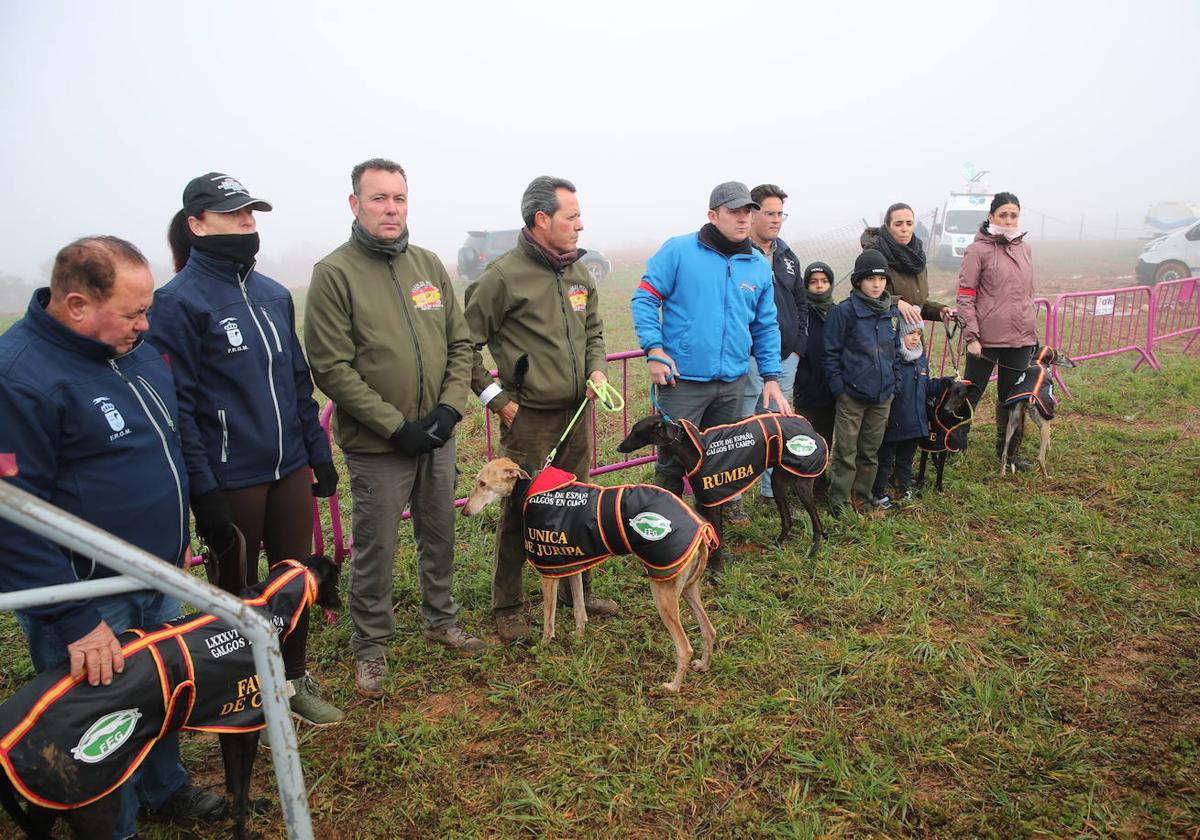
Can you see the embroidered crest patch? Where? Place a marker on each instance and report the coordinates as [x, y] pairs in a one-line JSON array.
[[651, 526], [578, 296], [801, 445], [426, 296], [105, 735]]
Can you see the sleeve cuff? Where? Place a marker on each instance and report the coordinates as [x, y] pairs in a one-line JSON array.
[[490, 393]]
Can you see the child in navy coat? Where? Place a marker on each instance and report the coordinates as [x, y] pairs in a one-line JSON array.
[[908, 420]]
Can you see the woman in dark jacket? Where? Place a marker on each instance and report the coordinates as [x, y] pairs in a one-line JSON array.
[[995, 303], [897, 240], [249, 425]]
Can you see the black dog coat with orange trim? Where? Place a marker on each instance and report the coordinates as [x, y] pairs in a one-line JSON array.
[[1036, 385], [734, 456], [947, 431], [571, 526], [66, 743]]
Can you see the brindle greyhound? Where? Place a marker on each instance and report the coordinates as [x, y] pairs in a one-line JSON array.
[[671, 437], [1033, 395]]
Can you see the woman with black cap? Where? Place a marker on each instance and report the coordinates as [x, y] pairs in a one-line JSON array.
[[249, 425], [995, 303], [908, 283], [861, 359]]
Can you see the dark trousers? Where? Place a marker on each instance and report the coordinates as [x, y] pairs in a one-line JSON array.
[[1012, 362], [858, 431], [897, 456], [533, 433], [278, 516], [706, 404]]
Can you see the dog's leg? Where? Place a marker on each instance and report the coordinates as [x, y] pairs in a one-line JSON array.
[[237, 752], [96, 820], [666, 599], [716, 561], [549, 606], [691, 592], [577, 603], [939, 461], [804, 489], [1016, 419], [780, 484], [1043, 438]]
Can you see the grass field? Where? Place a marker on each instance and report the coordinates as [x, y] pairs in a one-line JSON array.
[[1014, 657]]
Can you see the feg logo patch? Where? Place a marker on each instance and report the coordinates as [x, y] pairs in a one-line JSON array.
[[578, 296], [426, 296], [106, 735], [651, 526], [801, 445]]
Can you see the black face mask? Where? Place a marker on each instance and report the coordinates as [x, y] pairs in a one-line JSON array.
[[240, 248]]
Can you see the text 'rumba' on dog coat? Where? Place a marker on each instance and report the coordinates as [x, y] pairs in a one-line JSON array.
[[65, 743], [734, 456], [571, 526]]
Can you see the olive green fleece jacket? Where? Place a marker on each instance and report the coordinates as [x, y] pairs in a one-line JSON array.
[[386, 341], [520, 306]]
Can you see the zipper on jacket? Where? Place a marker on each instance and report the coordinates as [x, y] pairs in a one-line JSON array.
[[562, 304], [183, 523], [274, 332], [224, 435], [270, 371], [412, 333], [158, 401]]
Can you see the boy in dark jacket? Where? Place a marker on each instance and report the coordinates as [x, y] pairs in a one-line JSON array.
[[813, 398], [861, 359], [908, 421]]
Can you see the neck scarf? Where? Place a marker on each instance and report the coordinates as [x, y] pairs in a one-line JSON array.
[[239, 248], [910, 355], [821, 304], [558, 262], [377, 246], [879, 305], [716, 240], [909, 258]]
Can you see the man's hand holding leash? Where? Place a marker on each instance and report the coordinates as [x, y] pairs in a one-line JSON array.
[[97, 655], [661, 367], [772, 393]]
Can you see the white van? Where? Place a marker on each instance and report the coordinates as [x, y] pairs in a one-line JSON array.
[[962, 214], [1171, 257]]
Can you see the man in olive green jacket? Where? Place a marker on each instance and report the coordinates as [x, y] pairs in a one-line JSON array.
[[387, 343], [537, 311]]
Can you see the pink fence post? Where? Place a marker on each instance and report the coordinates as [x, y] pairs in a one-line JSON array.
[[340, 549], [1174, 313], [1107, 322]]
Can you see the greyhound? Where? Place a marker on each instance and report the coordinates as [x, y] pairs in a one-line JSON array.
[[1033, 395]]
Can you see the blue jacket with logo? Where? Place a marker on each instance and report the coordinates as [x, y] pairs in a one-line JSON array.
[[791, 302], [96, 435], [862, 351], [908, 418], [705, 310], [245, 393]]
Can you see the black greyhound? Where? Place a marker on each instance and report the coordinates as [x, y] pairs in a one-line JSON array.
[[194, 673], [777, 446], [951, 408]]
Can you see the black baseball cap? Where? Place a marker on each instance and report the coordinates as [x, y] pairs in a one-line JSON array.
[[218, 193]]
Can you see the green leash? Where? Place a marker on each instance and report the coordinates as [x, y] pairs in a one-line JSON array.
[[607, 397]]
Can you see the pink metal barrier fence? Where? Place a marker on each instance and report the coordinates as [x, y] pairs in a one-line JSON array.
[[1085, 325]]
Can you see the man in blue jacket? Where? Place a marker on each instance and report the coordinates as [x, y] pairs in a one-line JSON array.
[[705, 300], [88, 415]]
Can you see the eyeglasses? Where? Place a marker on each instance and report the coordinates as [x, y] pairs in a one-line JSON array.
[[773, 214]]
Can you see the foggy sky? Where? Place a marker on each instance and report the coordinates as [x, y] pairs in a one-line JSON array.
[[107, 110]]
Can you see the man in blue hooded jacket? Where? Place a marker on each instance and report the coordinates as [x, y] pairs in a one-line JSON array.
[[89, 422]]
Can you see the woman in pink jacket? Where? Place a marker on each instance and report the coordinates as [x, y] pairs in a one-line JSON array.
[[995, 301]]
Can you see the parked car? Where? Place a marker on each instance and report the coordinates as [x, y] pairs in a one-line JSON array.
[[1171, 257], [483, 246]]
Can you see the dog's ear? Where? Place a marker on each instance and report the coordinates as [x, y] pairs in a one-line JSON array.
[[517, 472], [326, 573]]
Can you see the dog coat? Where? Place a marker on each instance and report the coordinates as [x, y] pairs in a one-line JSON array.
[[1036, 385], [734, 456], [947, 431], [65, 743], [571, 526]]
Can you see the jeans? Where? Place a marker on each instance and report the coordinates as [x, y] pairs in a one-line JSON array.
[[161, 774], [752, 400]]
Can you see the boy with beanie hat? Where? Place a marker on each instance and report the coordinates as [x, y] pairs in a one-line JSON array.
[[813, 398], [861, 359], [908, 420]]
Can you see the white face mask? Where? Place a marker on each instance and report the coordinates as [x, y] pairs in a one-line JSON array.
[[1007, 232]]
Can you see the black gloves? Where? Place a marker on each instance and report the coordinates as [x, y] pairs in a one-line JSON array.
[[326, 481], [214, 519], [441, 422], [412, 439]]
